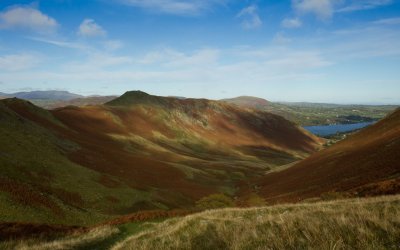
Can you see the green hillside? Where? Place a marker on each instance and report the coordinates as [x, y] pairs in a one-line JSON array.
[[39, 183]]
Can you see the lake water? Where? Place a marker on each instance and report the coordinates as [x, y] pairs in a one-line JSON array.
[[336, 128]]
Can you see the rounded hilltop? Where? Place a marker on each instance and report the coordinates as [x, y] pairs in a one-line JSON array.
[[137, 97]]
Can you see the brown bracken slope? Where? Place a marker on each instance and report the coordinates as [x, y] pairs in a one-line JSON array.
[[137, 152], [176, 145], [366, 163]]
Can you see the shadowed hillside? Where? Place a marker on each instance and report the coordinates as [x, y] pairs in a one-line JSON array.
[[137, 152], [366, 163]]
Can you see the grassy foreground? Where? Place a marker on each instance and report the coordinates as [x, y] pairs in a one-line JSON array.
[[372, 223]]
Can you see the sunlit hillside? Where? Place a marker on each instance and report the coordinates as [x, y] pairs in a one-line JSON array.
[[371, 223]]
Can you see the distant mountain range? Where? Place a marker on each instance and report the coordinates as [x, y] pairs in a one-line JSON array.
[[304, 114], [43, 95]]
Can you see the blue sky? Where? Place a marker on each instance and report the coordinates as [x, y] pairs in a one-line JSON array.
[[337, 51]]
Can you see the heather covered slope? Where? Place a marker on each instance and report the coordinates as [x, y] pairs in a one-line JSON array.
[[366, 163], [137, 152], [38, 182]]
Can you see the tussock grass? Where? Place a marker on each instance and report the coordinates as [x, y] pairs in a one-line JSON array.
[[76, 241], [372, 223]]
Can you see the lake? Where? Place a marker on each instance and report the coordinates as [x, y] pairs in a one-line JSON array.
[[326, 130]]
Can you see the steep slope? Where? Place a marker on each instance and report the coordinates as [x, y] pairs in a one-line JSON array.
[[366, 163], [136, 152], [38, 182]]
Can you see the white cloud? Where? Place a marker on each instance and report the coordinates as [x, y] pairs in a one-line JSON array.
[[250, 17], [196, 68], [62, 44], [179, 7], [280, 38], [18, 62], [291, 23], [388, 21], [112, 45], [367, 42], [173, 58], [200, 58], [27, 18], [98, 61], [89, 28], [364, 5], [323, 9]]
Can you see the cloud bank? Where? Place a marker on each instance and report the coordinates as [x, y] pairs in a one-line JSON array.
[[24, 17]]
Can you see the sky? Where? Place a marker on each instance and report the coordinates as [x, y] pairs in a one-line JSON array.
[[330, 51]]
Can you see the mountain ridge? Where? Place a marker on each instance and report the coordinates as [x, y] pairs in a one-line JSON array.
[[113, 159]]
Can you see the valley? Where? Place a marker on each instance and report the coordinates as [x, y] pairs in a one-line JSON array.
[[137, 152], [199, 125], [140, 159]]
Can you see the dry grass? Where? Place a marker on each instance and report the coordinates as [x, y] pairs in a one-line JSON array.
[[372, 223], [70, 242]]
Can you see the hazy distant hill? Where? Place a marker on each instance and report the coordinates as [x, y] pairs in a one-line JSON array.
[[79, 102], [44, 95], [308, 114], [249, 102], [80, 165]]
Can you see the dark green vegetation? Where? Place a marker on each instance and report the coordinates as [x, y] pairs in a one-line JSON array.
[[80, 166], [309, 114], [215, 201]]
